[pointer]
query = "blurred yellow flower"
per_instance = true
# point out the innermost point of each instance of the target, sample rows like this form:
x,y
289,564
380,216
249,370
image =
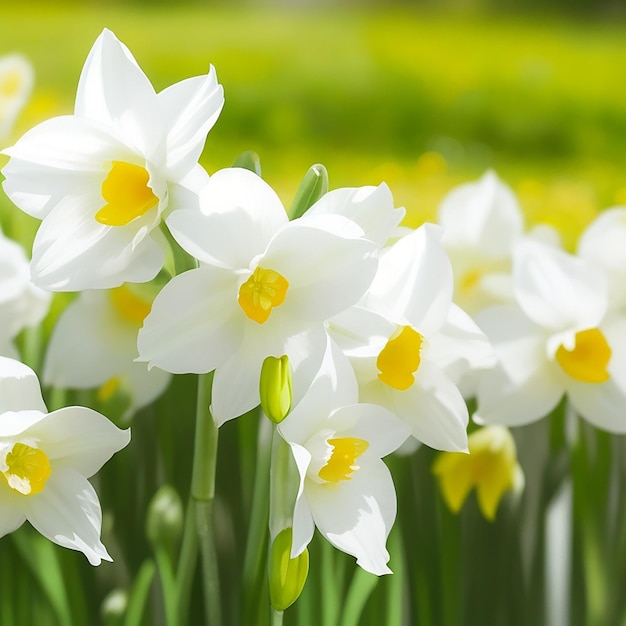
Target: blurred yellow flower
x,y
491,467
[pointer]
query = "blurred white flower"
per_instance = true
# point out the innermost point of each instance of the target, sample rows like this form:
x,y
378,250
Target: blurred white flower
x,y
94,344
264,288
346,490
481,222
102,179
557,338
21,303
45,461
16,85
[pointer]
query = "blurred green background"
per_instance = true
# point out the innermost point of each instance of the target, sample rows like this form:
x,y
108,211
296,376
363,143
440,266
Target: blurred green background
x,y
420,98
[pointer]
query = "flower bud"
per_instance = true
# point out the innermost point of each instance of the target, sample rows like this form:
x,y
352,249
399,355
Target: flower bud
x,y
313,186
275,388
164,523
287,576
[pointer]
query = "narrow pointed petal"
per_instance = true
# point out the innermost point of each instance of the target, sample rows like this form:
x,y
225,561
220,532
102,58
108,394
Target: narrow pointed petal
x,y
113,89
414,284
68,513
303,525
189,108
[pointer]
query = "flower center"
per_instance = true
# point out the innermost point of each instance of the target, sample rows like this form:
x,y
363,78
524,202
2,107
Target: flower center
x,y
127,194
470,280
400,358
263,291
588,360
341,464
130,306
28,469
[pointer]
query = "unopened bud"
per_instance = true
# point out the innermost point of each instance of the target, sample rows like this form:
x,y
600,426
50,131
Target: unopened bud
x,y
287,575
275,388
313,186
164,523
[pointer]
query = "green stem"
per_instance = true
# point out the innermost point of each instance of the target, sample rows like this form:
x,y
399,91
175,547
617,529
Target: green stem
x,y
203,494
277,618
187,564
254,569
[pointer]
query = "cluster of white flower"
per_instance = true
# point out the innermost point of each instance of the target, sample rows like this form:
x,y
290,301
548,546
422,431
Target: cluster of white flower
x,y
369,316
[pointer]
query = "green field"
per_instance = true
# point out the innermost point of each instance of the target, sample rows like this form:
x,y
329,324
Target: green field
x,y
421,101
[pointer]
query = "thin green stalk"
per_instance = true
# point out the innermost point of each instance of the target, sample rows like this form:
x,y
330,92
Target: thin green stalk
x,y
277,618
203,494
187,563
254,569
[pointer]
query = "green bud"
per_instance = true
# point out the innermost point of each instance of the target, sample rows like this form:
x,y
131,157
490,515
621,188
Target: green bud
x,y
249,160
313,186
287,575
113,607
275,388
164,523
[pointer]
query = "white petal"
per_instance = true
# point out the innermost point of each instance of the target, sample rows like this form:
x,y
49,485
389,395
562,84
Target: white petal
x,y
434,409
241,215
19,388
602,404
460,345
501,401
413,284
12,514
73,252
68,513
326,272
371,208
190,328
79,438
519,344
112,89
70,143
303,526
383,431
190,108
484,215
89,345
557,290
357,515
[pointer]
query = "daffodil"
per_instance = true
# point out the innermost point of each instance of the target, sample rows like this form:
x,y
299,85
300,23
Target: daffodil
x,y
409,345
264,287
16,84
345,490
491,467
556,339
481,221
103,179
45,461
21,303
94,344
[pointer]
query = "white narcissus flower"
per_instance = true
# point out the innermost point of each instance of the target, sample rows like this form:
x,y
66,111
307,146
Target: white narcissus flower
x,y
481,222
94,344
556,339
409,345
603,244
16,84
103,179
346,490
21,303
264,287
45,461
